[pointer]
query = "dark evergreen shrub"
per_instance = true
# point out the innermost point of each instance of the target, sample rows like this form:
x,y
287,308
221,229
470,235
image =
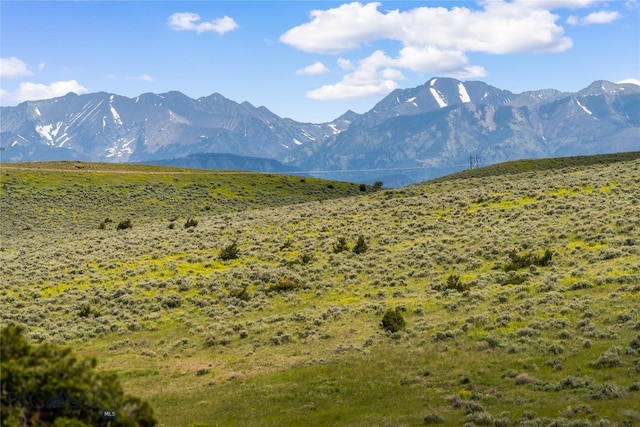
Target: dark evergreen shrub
x,y
191,222
393,321
527,259
229,252
340,245
454,283
306,258
361,246
123,225
87,310
75,393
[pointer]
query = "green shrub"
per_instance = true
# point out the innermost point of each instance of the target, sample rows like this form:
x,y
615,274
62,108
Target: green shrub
x,y
51,373
191,222
340,245
527,259
240,293
608,359
229,252
104,222
123,225
393,321
87,310
280,338
454,283
283,285
433,419
306,258
172,301
606,391
203,371
210,340
635,342
361,246
513,279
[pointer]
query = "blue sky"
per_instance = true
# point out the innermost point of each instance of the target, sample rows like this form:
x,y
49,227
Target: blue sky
x,y
310,60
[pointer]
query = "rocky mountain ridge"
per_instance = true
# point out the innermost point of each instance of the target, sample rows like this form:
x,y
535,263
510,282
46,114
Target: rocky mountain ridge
x,y
410,135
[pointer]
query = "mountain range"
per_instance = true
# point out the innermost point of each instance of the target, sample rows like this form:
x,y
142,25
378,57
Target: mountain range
x,y
442,126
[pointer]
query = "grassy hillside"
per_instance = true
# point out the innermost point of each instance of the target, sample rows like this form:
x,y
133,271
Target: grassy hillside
x,y
58,197
521,166
520,293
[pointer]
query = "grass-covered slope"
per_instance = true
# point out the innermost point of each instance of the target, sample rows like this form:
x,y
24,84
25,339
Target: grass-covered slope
x,y
554,163
60,197
520,292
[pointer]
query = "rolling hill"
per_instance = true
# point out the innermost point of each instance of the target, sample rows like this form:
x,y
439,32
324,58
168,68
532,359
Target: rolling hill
x,y
519,286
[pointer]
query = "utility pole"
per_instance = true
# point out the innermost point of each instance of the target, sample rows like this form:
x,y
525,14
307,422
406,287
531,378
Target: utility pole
x,y
474,162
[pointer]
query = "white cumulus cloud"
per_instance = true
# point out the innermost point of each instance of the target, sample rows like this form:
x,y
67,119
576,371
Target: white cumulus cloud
x,y
432,39
12,68
373,76
144,78
313,69
500,27
601,17
339,30
630,81
186,21
28,91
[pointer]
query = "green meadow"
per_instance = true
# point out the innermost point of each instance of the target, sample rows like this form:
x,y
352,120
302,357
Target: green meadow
x,y
228,298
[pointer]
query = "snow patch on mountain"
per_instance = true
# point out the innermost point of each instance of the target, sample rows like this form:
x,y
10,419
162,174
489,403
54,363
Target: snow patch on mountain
x,y
586,110
120,148
84,113
49,132
177,118
116,116
464,95
438,96
67,138
412,101
334,128
307,135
